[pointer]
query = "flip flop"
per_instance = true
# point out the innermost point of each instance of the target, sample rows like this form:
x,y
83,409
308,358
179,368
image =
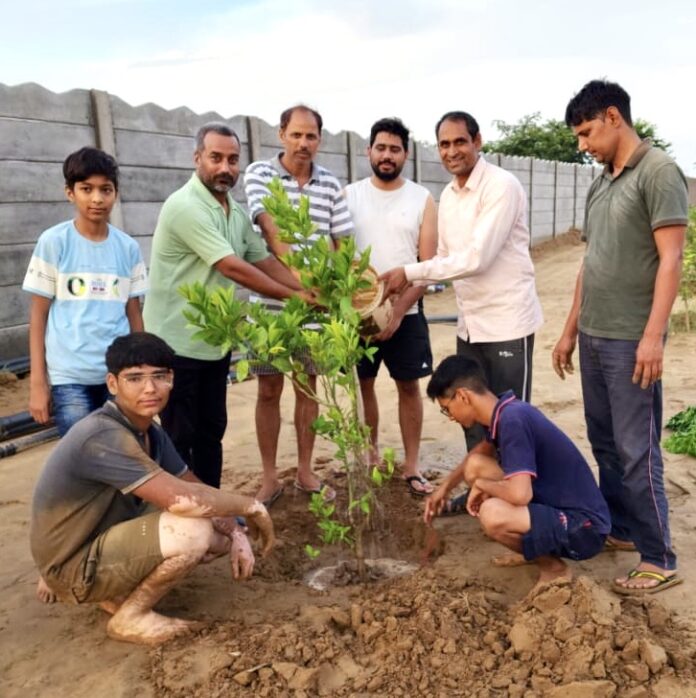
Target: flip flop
x,y
456,505
663,582
268,503
329,493
616,545
414,491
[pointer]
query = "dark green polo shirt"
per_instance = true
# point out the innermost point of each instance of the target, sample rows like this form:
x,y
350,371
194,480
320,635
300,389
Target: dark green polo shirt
x,y
621,260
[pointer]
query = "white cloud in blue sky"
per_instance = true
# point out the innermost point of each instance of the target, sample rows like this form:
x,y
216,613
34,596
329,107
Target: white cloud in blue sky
x,y
358,61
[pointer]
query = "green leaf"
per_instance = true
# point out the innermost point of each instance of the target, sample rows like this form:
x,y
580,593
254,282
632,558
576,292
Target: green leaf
x,y
311,552
242,370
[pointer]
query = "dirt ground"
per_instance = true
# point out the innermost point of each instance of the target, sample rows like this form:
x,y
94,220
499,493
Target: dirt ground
x,y
456,627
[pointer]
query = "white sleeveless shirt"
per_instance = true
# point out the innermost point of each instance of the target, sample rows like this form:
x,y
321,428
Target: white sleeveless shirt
x,y
387,221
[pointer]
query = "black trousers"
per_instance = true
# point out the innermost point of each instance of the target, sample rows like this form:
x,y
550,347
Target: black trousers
x,y
196,415
506,366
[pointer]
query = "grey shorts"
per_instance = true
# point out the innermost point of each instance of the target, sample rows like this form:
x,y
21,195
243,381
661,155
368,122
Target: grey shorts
x,y
113,564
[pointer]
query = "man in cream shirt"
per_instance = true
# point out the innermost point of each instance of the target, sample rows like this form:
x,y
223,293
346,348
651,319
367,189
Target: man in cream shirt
x,y
483,247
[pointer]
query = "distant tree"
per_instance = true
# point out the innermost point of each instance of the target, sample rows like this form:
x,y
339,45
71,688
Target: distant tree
x,y
647,130
552,139
548,140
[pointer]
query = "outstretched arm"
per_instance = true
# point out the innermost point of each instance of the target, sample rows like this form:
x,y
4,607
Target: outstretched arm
x,y
252,277
187,498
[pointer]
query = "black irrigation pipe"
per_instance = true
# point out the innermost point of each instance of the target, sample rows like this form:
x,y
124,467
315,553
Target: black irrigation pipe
x,y
18,424
21,444
19,366
441,319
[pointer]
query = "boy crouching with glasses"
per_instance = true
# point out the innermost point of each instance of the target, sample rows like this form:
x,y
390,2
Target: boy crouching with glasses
x,y
118,519
530,487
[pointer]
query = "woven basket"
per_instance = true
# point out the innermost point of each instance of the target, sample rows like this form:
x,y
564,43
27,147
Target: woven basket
x,y
375,314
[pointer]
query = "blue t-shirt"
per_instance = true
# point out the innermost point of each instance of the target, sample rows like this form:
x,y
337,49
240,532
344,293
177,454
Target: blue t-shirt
x,y
529,443
89,283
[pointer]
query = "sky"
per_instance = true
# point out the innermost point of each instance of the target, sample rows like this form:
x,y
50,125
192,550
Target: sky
x,y
360,60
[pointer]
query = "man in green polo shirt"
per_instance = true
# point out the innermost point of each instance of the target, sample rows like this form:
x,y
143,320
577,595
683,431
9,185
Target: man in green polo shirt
x,y
203,235
635,224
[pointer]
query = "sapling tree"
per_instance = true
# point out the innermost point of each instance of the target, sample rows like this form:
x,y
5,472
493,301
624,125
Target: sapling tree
x,y
329,331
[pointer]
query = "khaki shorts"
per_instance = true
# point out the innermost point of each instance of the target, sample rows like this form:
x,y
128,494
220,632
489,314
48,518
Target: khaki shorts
x,y
114,563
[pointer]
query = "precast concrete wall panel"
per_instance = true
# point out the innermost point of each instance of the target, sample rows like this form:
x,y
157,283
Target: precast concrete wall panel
x,y
154,148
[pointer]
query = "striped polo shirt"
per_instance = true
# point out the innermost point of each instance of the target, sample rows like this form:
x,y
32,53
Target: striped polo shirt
x,y
327,207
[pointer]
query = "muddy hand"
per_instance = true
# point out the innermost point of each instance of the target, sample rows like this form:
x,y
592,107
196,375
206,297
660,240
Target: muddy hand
x,y
434,505
260,526
241,556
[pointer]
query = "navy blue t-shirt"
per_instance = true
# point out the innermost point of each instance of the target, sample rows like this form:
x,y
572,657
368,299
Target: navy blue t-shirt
x,y
528,442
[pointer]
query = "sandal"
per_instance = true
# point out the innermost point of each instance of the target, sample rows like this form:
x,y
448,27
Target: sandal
x,y
329,493
414,491
268,503
663,582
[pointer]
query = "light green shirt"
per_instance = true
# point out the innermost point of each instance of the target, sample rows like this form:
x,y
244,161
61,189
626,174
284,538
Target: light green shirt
x,y
193,233
621,215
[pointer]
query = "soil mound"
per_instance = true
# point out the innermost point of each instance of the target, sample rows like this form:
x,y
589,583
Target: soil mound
x,y
429,635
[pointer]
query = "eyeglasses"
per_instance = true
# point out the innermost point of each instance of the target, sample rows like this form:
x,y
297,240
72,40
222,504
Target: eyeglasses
x,y
161,379
444,409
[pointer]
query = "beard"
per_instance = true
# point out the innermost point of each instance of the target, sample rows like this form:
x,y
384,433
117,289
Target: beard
x,y
220,184
388,176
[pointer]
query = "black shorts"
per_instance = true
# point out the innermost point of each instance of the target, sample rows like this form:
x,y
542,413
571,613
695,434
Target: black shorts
x,y
406,353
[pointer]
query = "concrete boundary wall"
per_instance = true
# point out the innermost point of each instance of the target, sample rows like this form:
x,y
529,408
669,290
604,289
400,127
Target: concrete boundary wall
x,y
154,149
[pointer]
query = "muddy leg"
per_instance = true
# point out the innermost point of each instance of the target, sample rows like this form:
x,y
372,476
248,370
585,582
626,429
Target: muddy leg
x,y
184,544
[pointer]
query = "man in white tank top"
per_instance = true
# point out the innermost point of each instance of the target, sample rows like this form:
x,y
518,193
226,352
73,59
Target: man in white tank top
x,y
397,219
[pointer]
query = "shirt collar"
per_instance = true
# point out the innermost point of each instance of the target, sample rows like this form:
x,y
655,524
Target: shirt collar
x,y
636,156
504,399
111,410
277,164
475,176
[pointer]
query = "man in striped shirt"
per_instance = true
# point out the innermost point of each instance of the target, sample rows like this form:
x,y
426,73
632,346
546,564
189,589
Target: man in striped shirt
x,y
300,135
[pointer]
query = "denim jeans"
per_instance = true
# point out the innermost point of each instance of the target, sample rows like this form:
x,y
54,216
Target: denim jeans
x,y
72,402
624,422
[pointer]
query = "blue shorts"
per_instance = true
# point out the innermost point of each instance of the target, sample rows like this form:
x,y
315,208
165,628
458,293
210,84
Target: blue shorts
x,y
571,534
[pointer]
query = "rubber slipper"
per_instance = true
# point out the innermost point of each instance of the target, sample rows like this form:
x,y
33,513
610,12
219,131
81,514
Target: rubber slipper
x,y
329,493
663,582
273,498
420,480
615,545
456,505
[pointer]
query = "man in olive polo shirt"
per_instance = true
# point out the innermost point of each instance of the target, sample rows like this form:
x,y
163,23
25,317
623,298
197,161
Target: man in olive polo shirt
x,y
635,224
203,235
